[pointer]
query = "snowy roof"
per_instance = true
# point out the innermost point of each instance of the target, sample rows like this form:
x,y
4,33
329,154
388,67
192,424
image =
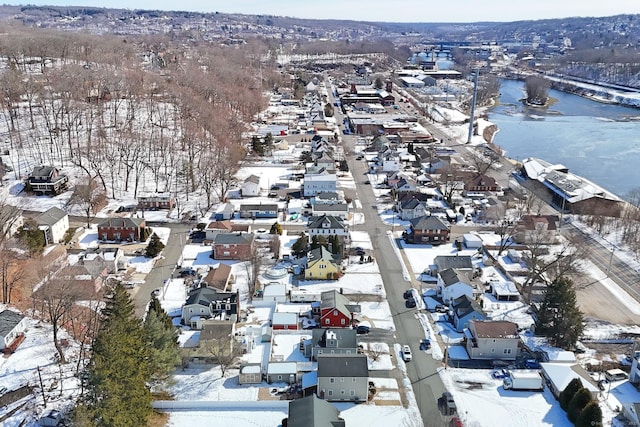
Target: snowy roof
x,y
561,374
282,367
504,288
8,320
284,319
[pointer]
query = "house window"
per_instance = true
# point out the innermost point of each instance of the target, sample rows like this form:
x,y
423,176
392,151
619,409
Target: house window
x,y
330,392
227,307
342,392
326,321
353,380
341,379
507,351
352,392
332,380
279,377
342,321
335,312
493,350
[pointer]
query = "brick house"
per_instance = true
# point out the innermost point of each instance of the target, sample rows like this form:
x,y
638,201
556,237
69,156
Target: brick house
x,y
481,184
233,246
428,229
156,201
121,229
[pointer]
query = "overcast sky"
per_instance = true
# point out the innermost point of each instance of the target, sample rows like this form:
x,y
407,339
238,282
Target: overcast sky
x,y
380,10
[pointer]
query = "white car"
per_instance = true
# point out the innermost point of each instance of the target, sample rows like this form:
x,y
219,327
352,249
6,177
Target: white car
x,y
406,353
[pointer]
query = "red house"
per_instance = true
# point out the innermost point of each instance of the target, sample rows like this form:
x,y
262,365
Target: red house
x,y
481,184
335,310
121,229
233,246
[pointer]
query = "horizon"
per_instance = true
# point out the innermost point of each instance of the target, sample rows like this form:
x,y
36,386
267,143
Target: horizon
x,y
402,11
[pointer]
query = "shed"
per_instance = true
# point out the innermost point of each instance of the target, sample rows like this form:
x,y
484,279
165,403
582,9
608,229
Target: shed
x,y
276,292
559,375
472,241
505,291
250,373
514,255
282,372
12,327
284,321
52,419
225,211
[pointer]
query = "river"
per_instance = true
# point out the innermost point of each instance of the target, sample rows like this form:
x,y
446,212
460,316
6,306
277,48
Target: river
x,y
600,142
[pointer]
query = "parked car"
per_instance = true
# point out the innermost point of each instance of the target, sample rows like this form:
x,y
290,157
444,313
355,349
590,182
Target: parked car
x,y
411,303
441,308
532,364
362,330
185,272
425,344
407,294
406,353
499,373
446,404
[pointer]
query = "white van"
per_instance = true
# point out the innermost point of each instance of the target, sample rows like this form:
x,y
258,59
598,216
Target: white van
x,y
615,375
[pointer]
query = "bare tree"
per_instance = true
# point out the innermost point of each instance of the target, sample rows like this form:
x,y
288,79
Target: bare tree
x,y
12,273
375,350
252,265
483,160
506,220
87,197
537,89
222,347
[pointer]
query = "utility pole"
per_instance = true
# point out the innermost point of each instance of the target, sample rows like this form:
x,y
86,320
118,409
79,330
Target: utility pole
x,y
473,105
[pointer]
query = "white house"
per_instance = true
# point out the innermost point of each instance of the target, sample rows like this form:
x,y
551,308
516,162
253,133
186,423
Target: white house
x,y
453,284
54,223
318,183
251,186
12,326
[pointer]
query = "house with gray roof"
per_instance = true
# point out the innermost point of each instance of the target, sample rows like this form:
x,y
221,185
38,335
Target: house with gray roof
x,y
343,377
340,210
326,225
453,284
459,262
233,246
46,180
331,340
464,310
428,229
54,223
413,208
311,411
260,210
12,327
251,186
205,303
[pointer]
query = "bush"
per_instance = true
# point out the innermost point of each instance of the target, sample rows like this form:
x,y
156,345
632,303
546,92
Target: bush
x,y
579,402
591,416
567,394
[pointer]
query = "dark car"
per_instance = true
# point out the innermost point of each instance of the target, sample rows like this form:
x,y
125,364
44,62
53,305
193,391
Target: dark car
x,y
187,272
408,294
362,330
425,344
411,303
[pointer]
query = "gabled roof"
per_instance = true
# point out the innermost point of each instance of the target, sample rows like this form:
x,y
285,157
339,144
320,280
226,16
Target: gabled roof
x,y
259,207
345,337
480,180
411,204
8,320
218,276
234,239
51,216
205,295
494,329
464,305
220,225
253,179
122,222
428,222
444,262
42,171
327,222
343,365
451,276
311,411
327,195
320,253
334,299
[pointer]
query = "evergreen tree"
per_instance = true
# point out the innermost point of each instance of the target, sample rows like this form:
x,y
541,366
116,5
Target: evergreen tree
x,y
299,247
578,402
336,247
317,241
118,395
558,317
569,391
344,166
276,228
256,145
162,339
154,247
590,416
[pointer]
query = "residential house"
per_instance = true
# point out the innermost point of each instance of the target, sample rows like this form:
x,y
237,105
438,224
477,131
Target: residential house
x,y
326,225
267,210
453,284
155,201
340,210
217,337
558,375
322,264
86,278
250,373
331,341
326,197
428,229
406,196
389,161
121,229
278,372
343,377
311,411
537,228
464,310
318,183
46,180
219,278
405,184
217,227
412,208
12,328
459,262
481,184
101,257
203,303
224,211
492,340
326,161
54,223
233,246
335,310
272,293
251,186
284,321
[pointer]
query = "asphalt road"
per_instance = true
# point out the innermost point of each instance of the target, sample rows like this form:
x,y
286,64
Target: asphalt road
x,y
425,380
